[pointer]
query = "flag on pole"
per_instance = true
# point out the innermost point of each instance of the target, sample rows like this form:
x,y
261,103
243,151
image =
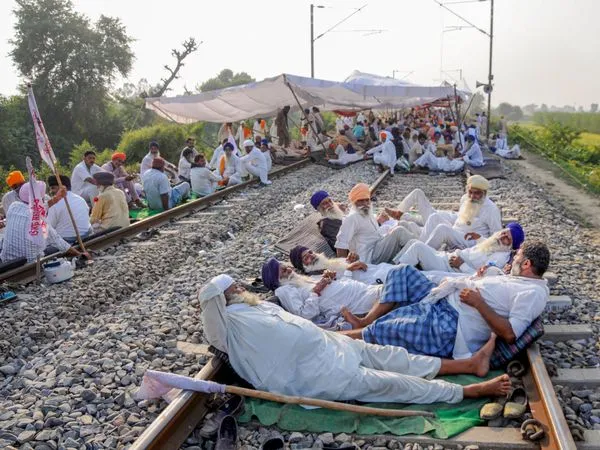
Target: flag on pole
x,y
38,229
41,137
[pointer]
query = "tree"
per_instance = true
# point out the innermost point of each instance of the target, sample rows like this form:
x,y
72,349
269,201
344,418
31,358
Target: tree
x,y
226,78
72,63
16,132
530,109
594,108
189,47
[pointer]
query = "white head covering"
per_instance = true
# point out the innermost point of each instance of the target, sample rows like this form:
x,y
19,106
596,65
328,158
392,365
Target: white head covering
x,y
223,282
25,191
248,143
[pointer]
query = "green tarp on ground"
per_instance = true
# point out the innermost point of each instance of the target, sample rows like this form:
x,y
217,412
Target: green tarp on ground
x,y
450,419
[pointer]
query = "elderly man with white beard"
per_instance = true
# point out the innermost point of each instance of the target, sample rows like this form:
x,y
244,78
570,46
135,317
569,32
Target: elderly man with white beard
x,y
278,352
317,299
306,261
495,250
332,214
478,217
360,234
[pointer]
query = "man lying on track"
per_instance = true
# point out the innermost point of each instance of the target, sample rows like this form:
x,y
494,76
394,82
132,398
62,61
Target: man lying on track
x,y
462,321
279,352
318,299
495,250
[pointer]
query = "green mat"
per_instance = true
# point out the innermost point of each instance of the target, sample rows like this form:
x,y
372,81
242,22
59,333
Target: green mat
x,y
139,214
450,421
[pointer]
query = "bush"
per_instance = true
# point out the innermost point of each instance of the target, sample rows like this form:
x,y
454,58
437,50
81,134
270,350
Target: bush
x,y
170,137
584,121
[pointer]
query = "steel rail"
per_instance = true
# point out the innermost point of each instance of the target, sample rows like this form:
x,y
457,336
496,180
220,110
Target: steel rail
x,y
172,427
544,404
27,272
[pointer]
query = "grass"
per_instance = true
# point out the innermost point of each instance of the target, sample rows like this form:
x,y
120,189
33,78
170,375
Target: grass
x,y
586,138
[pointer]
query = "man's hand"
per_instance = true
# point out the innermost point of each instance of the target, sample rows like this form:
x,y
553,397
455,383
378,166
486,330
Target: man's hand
x,y
358,265
481,271
382,218
507,268
455,261
322,284
130,177
471,297
86,255
329,274
472,236
61,193
352,257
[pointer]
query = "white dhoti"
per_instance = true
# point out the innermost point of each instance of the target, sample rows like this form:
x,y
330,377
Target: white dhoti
x,y
418,252
441,163
233,179
435,219
446,234
260,172
346,158
513,153
389,245
418,201
89,192
391,374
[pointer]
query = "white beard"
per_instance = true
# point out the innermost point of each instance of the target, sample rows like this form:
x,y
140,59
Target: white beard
x,y
364,211
245,297
469,211
297,280
323,263
493,244
333,213
515,270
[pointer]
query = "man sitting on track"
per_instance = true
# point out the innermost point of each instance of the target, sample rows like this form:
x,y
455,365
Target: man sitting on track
x,y
305,261
276,351
495,250
159,193
461,322
360,234
384,155
478,217
255,163
230,167
332,214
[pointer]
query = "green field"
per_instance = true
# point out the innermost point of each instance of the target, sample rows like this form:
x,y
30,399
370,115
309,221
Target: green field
x,y
586,138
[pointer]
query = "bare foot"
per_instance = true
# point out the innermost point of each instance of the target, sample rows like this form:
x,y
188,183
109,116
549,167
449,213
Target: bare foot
x,y
481,359
496,387
351,318
393,213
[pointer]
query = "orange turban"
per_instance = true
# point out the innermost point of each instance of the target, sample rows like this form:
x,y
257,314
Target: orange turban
x,y
119,155
14,178
359,192
263,123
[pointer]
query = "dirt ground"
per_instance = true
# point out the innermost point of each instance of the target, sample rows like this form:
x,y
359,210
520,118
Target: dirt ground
x,y
584,207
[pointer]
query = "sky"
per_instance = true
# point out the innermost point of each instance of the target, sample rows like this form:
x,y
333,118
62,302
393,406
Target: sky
x,y
545,51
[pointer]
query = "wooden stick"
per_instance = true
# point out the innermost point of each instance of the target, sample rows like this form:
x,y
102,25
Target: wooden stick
x,y
60,185
294,400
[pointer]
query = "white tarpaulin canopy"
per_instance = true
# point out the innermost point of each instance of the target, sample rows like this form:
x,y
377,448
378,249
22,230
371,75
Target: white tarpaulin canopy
x,y
264,98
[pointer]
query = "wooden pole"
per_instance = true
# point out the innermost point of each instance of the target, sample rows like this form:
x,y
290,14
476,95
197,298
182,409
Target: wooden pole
x,y
294,400
60,185
306,117
38,271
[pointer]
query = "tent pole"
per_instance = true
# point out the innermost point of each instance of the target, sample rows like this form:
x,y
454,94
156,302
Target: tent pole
x,y
310,124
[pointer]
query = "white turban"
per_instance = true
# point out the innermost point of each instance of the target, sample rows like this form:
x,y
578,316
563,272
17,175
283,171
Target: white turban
x,y
478,182
223,282
248,143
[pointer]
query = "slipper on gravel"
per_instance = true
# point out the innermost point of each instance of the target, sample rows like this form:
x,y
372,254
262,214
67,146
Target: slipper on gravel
x,y
228,434
6,296
516,405
274,442
492,410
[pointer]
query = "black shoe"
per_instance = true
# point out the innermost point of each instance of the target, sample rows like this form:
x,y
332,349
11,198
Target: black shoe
x,y
232,407
228,434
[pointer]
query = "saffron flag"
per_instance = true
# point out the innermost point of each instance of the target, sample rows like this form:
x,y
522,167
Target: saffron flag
x,y
41,137
37,229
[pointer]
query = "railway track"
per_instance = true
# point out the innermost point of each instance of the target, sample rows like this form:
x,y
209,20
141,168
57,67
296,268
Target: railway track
x,y
182,416
28,272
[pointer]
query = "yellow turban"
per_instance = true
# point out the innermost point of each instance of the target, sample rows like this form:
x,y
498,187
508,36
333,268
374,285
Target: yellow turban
x,y
478,182
14,178
359,192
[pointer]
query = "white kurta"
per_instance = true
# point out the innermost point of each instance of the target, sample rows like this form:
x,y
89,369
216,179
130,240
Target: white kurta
x,y
359,235
356,296
474,157
184,167
384,154
343,157
214,161
233,170
373,274
439,163
81,187
513,153
282,353
203,181
256,164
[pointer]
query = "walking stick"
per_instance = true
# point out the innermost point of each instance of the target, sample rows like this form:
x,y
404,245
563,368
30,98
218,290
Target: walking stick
x,y
157,383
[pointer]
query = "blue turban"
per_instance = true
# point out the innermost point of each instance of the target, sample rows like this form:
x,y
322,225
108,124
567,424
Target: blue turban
x,y
264,142
296,257
228,145
517,234
317,198
270,274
